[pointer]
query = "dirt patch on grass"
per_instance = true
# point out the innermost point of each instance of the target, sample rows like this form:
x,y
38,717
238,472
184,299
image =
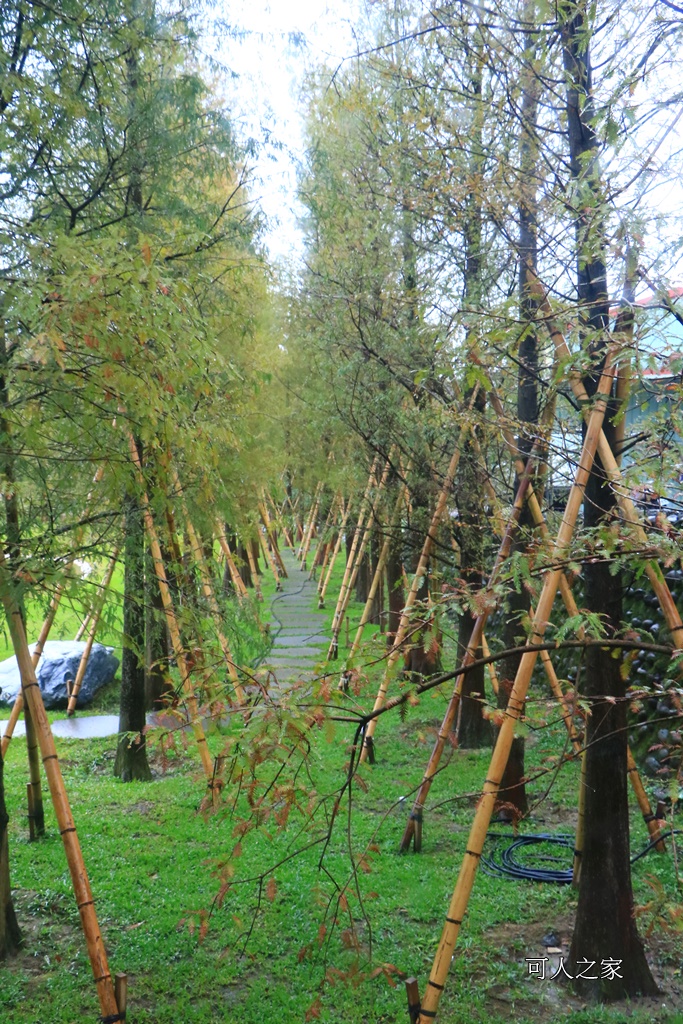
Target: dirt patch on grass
x,y
542,1000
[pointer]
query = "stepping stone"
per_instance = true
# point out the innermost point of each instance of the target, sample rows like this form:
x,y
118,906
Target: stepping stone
x,y
288,639
297,652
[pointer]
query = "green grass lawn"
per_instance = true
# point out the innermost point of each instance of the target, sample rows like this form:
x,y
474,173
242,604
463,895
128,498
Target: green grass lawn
x,y
296,941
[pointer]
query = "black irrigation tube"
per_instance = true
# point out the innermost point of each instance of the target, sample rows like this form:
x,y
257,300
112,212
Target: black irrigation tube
x,y
511,868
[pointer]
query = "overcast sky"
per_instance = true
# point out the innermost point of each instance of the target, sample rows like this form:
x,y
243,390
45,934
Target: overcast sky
x,y
263,61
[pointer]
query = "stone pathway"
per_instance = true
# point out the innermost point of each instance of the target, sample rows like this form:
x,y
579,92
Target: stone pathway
x,y
300,642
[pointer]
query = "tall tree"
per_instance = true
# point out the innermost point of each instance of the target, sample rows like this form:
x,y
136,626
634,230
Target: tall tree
x,y
605,924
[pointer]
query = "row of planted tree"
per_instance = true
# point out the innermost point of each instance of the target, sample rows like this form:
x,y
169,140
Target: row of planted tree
x,y
486,309
451,330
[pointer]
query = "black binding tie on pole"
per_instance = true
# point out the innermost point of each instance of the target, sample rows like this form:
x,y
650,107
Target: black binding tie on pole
x,y
113,1018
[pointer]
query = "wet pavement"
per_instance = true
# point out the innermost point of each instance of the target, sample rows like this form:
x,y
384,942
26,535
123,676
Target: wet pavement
x,y
300,645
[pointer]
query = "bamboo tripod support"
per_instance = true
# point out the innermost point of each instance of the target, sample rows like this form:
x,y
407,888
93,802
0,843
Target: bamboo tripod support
x,y
475,843
613,473
39,646
357,561
422,565
486,651
325,582
310,526
572,610
354,545
379,570
208,590
311,529
322,562
272,539
172,622
253,570
237,581
34,789
413,829
279,520
93,623
79,877
263,540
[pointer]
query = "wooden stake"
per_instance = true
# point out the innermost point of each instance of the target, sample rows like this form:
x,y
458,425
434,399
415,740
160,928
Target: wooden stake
x,y
515,706
121,993
67,829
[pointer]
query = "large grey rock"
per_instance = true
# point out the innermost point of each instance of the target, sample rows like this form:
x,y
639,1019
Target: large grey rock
x,y
60,662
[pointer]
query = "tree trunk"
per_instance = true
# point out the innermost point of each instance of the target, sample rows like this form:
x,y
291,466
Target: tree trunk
x,y
512,787
474,730
395,592
605,923
131,753
10,935
158,690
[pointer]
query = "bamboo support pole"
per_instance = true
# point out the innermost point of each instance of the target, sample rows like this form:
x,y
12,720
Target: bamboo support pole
x,y
348,585
573,611
308,530
356,540
321,556
39,646
269,558
381,563
422,565
643,802
329,545
172,622
477,837
210,595
493,676
252,568
413,829
36,814
67,828
237,581
613,474
92,631
84,626
311,529
323,585
268,524
36,811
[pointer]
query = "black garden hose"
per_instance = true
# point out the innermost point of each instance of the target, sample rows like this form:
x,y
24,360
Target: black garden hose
x,y
503,861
